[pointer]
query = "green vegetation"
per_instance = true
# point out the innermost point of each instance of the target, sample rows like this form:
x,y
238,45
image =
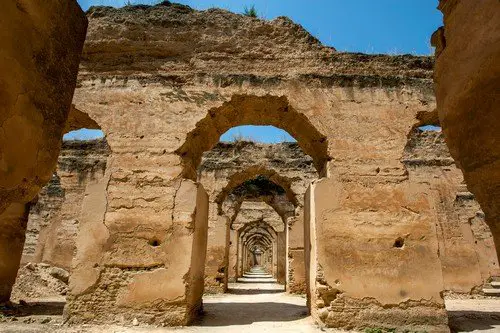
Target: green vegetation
x,y
251,12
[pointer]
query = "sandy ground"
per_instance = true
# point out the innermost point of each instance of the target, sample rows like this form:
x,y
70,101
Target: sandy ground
x,y
242,313
474,315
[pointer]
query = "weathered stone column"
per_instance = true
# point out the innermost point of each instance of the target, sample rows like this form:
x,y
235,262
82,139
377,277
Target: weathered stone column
x,y
40,43
296,269
281,257
310,247
233,256
275,258
368,272
239,260
467,77
13,222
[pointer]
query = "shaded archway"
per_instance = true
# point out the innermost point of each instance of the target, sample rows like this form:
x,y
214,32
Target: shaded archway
x,y
270,238
259,188
267,176
228,199
60,210
252,110
256,214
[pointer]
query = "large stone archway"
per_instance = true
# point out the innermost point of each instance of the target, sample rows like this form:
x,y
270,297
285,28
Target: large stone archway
x,y
252,110
155,92
164,100
277,174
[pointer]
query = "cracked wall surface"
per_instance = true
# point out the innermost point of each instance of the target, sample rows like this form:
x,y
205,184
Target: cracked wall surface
x,y
373,248
38,77
466,247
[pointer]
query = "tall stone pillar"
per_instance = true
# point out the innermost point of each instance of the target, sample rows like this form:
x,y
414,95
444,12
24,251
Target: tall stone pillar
x,y
40,43
13,223
233,256
467,76
281,257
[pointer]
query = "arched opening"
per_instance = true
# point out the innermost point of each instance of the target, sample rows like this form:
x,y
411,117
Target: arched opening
x,y
256,195
258,257
252,110
56,216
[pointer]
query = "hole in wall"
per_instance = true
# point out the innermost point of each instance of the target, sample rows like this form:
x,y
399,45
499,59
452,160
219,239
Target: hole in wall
x,y
154,242
399,243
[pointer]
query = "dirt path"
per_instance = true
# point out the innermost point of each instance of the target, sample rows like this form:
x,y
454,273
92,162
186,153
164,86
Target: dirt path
x,y
244,313
474,315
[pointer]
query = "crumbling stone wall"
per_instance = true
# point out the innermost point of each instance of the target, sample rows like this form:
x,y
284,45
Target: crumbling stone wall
x,y
466,246
165,99
37,80
54,220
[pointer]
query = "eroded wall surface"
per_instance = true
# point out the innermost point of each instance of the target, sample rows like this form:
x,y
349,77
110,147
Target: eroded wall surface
x,y
466,247
37,80
54,220
164,99
467,76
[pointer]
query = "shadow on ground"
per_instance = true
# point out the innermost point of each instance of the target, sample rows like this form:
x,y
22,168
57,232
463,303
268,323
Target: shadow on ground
x,y
469,321
253,291
33,309
224,314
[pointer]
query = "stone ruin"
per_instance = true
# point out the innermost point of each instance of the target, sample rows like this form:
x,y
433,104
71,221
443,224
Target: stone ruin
x,y
383,224
466,247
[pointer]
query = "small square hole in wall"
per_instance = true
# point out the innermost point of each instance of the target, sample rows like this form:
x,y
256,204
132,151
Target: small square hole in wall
x,y
399,243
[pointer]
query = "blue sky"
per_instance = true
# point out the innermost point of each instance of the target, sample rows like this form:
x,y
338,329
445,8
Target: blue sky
x,y
368,26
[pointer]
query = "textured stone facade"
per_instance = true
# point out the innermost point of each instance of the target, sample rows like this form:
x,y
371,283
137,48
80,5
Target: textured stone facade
x,y
54,220
164,84
467,74
165,99
466,246
41,43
